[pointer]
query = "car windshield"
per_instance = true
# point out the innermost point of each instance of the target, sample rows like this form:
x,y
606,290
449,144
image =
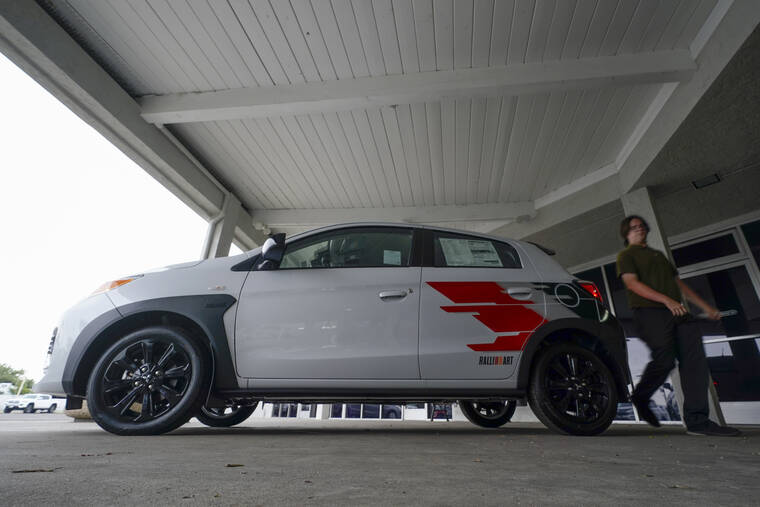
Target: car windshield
x,y
30,396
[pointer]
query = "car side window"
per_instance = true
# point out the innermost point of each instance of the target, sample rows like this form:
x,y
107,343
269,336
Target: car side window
x,y
351,248
454,250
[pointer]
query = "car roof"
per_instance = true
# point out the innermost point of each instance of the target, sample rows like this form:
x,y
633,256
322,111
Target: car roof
x,y
402,225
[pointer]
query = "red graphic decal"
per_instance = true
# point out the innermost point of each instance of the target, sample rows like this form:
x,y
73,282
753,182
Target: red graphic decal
x,y
503,343
476,292
501,318
504,314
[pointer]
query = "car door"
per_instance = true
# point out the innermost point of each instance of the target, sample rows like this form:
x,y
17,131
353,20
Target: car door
x,y
344,304
479,304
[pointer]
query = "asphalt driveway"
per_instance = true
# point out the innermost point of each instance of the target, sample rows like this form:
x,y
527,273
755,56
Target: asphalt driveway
x,y
49,459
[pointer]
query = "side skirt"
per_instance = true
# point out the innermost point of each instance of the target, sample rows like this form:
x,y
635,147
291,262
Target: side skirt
x,y
365,395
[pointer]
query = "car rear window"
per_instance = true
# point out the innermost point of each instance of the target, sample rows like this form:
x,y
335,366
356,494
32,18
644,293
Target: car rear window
x,y
453,250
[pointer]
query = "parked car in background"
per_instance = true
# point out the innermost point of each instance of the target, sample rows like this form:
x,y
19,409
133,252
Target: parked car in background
x,y
31,403
391,411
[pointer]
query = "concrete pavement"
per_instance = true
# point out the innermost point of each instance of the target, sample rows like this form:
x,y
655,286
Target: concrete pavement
x,y
358,462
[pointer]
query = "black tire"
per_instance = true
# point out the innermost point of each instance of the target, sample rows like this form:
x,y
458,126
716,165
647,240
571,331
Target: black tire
x,y
29,409
52,408
488,414
158,368
7,410
572,391
225,417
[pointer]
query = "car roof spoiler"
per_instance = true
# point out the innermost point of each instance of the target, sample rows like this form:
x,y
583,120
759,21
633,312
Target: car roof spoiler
x,y
547,251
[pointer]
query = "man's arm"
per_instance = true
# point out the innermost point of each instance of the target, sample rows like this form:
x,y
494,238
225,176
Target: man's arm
x,y
633,283
692,296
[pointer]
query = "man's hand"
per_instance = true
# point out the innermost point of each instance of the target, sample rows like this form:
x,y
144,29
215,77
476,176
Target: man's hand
x,y
676,308
712,313
632,283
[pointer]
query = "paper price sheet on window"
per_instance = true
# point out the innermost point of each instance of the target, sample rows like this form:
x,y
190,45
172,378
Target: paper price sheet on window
x,y
469,252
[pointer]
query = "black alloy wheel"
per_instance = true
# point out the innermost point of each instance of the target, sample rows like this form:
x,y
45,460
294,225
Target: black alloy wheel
x,y
488,414
224,417
149,382
572,390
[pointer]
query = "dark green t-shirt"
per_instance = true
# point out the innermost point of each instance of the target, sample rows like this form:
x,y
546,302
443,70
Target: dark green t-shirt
x,y
653,269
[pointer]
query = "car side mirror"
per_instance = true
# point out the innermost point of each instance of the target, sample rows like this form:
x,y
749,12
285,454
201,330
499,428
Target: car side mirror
x,y
273,249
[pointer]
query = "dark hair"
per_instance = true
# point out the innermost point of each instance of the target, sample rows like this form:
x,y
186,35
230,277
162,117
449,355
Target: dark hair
x,y
625,227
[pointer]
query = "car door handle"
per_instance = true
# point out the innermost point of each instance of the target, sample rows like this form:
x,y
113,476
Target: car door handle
x,y
393,294
520,292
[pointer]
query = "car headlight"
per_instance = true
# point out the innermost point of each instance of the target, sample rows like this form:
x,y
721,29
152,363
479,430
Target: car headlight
x,y
115,283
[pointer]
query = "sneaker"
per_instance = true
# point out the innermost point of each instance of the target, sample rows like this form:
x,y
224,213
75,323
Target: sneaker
x,y
645,413
710,429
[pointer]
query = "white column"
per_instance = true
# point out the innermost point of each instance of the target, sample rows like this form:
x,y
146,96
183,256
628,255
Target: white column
x,y
221,229
323,411
639,202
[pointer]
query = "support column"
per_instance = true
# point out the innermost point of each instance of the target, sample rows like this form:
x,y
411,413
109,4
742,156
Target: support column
x,y
221,229
323,410
639,202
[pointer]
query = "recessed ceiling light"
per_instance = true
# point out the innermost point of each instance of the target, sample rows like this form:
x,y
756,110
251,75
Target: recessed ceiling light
x,y
706,181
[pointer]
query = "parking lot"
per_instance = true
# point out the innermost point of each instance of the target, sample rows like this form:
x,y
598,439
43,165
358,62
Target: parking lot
x,y
48,458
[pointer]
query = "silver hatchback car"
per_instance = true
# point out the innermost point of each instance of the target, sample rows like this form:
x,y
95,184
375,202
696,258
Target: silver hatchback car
x,y
362,312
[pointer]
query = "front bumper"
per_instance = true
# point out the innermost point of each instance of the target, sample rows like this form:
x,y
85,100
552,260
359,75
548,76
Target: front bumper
x,y
72,324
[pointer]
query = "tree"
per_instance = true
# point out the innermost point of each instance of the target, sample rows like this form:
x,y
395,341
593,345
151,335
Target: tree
x,y
16,377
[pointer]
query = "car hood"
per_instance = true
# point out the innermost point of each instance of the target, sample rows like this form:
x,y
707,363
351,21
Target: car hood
x,y
182,265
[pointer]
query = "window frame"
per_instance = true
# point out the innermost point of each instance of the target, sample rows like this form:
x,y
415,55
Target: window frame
x,y
414,255
429,255
715,261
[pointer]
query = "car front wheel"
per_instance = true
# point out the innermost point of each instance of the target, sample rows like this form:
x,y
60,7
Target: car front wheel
x,y
572,391
29,409
225,417
149,382
488,414
52,408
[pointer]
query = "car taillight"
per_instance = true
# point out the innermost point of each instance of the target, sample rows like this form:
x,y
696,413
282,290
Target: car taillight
x,y
591,288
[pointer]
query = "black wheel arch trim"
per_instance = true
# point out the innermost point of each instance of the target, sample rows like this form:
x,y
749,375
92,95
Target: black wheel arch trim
x,y
609,334
205,311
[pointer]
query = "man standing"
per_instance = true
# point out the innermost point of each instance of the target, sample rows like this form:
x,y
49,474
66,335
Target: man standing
x,y
654,295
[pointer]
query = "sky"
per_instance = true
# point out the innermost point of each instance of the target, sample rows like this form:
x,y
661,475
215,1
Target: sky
x,y
76,212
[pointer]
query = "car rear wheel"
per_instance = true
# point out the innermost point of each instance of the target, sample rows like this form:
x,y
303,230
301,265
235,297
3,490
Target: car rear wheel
x,y
225,417
149,382
488,414
572,391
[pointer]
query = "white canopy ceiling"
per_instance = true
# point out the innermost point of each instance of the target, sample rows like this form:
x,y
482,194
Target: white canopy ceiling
x,y
469,112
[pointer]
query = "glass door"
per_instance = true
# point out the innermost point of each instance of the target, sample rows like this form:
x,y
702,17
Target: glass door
x,y
733,343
